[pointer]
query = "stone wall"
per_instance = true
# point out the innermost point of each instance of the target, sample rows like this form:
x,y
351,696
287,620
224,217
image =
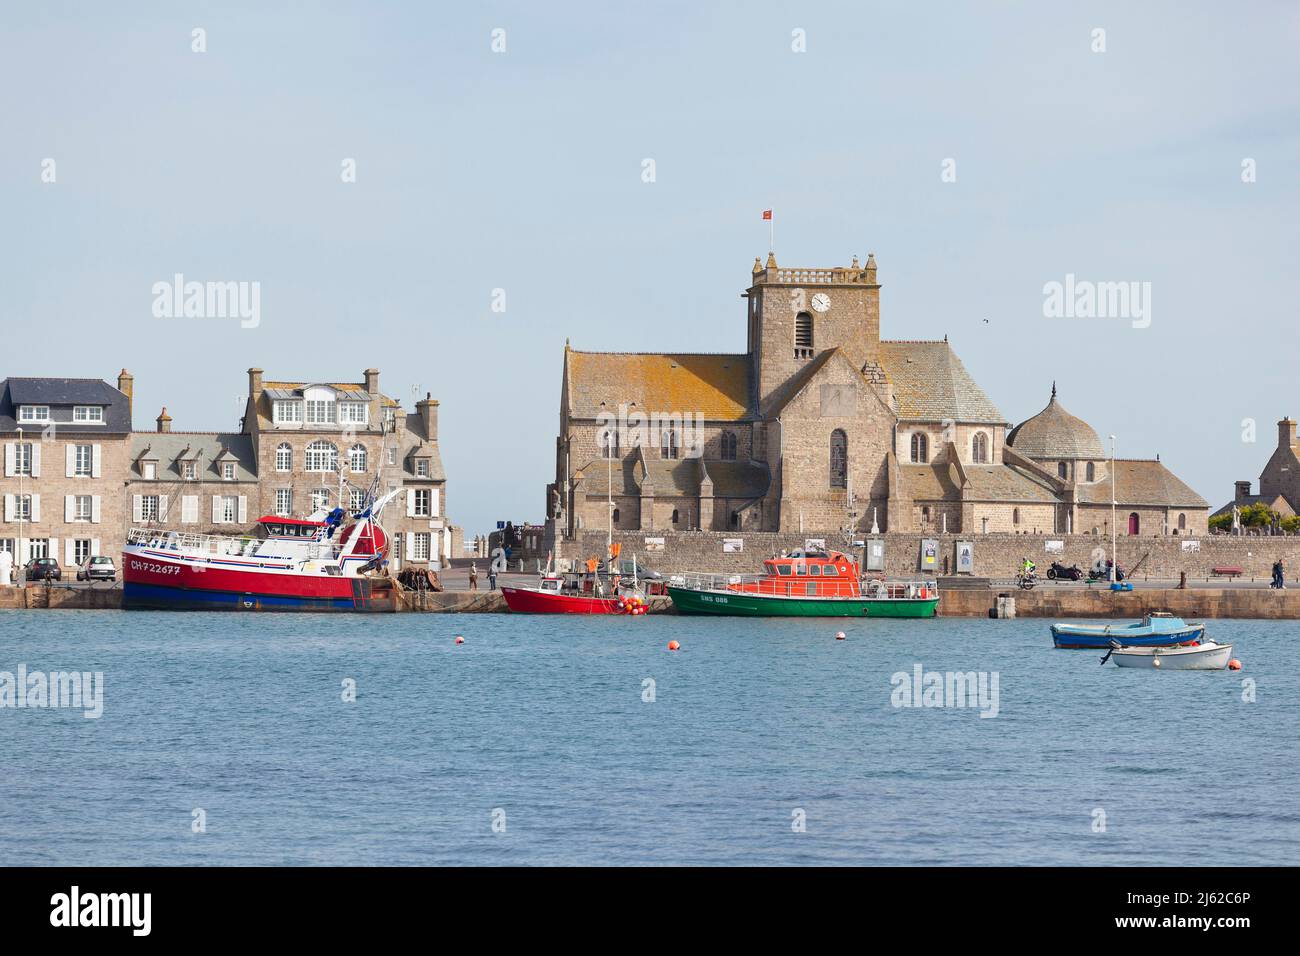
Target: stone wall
x,y
996,555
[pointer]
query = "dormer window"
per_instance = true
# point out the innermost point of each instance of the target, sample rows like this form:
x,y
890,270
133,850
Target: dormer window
x,y
149,469
88,414
287,413
422,468
228,471
323,412
33,413
189,471
353,413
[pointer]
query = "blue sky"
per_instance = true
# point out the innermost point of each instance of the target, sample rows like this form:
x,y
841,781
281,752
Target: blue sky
x,y
522,171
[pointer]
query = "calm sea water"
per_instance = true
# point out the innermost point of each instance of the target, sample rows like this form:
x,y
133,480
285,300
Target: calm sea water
x,y
540,723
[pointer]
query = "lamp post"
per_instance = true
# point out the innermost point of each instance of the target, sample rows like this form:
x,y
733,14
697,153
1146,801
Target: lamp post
x,y
1114,529
19,555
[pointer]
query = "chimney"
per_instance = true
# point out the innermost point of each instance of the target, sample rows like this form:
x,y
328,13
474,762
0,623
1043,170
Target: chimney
x,y
254,383
1286,433
1243,491
372,381
126,385
164,421
427,407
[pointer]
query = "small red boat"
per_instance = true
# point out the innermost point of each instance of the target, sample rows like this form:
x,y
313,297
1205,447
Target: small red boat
x,y
591,592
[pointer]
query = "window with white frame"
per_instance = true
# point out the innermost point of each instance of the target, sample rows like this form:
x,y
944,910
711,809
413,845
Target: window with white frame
x,y
320,499
390,415
83,460
33,413
9,545
227,471
23,458
189,470
352,413
422,468
392,456
286,412
356,499
149,469
423,504
80,550
322,456
23,507
229,509
320,412
420,546
82,508
38,547
357,458
284,457
88,414
148,507
283,502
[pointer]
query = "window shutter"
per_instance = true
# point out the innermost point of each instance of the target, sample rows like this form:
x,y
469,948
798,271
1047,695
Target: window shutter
x,y
94,509
70,457
69,508
410,502
95,461
36,508
216,509
9,507
94,547
52,549
137,508
10,463
162,508
409,550
433,502
69,552
189,509
36,459
243,509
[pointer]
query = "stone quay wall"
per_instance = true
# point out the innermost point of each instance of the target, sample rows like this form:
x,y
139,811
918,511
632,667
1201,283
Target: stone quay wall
x,y
996,556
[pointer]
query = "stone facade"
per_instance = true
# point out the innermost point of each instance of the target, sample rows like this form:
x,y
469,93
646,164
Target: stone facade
x,y
821,425
1279,482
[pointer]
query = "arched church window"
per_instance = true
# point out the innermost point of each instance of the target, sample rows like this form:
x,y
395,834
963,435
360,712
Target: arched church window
x,y
1182,522
608,440
1015,516
925,514
920,448
728,446
1062,469
979,448
839,459
668,444
735,520
675,519
615,516
1092,472
803,335
1134,525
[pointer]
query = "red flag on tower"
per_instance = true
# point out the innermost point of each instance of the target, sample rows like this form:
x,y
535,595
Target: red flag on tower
x,y
767,214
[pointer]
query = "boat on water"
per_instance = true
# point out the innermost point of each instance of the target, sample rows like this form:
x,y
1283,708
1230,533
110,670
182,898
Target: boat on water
x,y
1205,656
803,584
328,562
1157,629
600,589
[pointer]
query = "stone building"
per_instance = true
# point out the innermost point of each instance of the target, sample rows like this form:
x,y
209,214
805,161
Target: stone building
x,y
820,424
66,447
1279,482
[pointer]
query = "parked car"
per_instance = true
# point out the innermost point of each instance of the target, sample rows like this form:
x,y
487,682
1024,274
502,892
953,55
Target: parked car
x,y
100,567
43,569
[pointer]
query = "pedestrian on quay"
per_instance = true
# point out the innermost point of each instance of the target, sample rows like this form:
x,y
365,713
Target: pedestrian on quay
x,y
473,577
492,577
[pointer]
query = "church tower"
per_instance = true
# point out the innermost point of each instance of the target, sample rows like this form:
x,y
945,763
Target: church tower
x,y
795,315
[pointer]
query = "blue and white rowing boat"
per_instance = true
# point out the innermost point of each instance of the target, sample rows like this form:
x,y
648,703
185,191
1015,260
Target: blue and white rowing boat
x,y
1157,629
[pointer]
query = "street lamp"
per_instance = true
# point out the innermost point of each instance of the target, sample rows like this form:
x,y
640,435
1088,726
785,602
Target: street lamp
x,y
1114,530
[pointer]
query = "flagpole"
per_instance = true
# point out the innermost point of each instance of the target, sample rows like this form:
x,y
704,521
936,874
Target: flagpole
x,y
771,233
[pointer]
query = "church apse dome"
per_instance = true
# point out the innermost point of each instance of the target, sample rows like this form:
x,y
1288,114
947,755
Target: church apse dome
x,y
1056,436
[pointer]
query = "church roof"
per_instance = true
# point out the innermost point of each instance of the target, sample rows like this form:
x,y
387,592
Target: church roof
x,y
1008,483
1142,482
931,384
1055,433
715,386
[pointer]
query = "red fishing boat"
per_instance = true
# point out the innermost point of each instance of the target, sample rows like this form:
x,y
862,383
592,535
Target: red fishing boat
x,y
591,592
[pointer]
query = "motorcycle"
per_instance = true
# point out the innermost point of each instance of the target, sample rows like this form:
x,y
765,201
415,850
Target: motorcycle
x,y
1059,571
1103,573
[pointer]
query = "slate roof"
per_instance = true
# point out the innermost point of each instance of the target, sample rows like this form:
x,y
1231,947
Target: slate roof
x,y
167,448
61,394
738,479
1142,482
987,483
716,386
1054,433
931,384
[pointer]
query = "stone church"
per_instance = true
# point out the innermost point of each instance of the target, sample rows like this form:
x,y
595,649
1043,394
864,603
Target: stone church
x,y
821,424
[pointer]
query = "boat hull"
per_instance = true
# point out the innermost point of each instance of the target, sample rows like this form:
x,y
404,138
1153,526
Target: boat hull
x,y
531,601
742,604
1080,636
1213,657
152,583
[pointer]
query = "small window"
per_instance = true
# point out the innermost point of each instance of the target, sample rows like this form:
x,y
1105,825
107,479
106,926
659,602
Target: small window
x,y
839,459
616,516
1015,516
608,440
1092,472
1182,522
228,471
728,446
783,570
735,520
188,471
1062,469
284,457
90,414
669,444
33,413
422,468
815,570
358,458
803,335
979,448
675,518
920,448
150,470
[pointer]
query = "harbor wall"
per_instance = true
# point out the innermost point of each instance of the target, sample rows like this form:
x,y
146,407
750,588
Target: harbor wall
x,y
996,556
1100,602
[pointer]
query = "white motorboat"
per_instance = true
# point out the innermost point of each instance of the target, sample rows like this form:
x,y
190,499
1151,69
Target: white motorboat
x,y
1206,656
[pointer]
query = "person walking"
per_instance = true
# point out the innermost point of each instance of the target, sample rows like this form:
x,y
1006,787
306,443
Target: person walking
x,y
473,577
492,577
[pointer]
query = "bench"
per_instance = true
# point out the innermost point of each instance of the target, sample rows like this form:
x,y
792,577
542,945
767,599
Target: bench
x,y
1226,571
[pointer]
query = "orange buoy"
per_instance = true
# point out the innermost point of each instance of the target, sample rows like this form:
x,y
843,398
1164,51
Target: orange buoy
x,y
673,645
1234,665
839,635
459,639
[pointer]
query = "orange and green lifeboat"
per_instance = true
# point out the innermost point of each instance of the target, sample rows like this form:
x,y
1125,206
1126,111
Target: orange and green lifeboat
x,y
812,584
